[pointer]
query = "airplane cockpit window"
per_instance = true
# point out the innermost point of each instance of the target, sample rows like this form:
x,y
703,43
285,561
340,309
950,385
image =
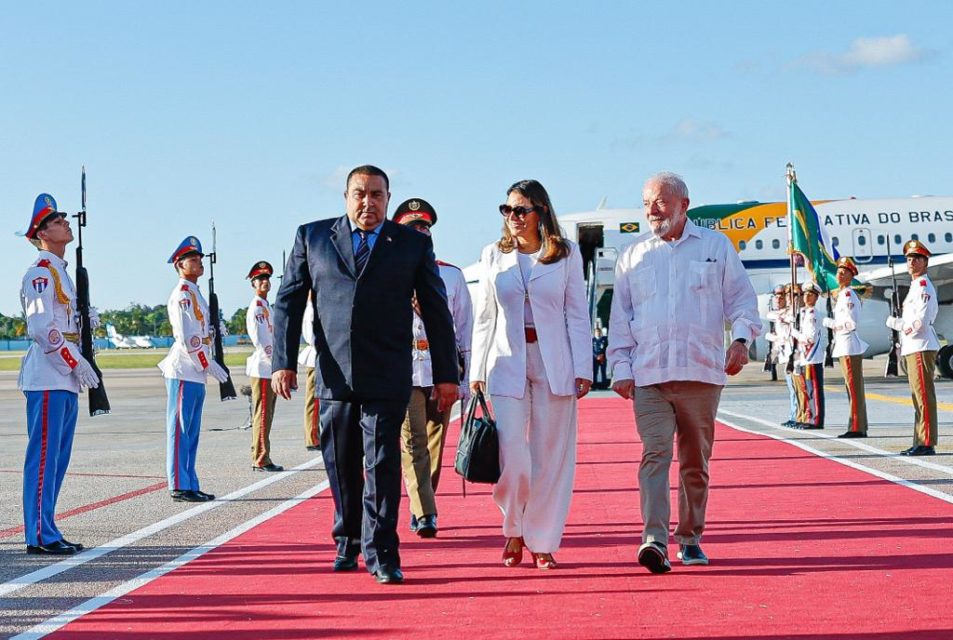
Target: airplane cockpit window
x,y
776,243
931,237
758,245
881,240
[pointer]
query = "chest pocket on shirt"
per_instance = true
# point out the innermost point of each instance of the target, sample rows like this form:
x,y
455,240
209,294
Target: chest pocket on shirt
x,y
702,275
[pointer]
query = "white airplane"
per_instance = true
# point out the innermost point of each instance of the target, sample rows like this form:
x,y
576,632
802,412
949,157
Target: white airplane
x,y
127,342
862,229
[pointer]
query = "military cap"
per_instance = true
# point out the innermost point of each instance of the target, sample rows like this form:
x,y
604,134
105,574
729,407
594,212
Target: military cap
x,y
780,289
811,287
415,210
187,247
848,263
917,248
260,270
44,207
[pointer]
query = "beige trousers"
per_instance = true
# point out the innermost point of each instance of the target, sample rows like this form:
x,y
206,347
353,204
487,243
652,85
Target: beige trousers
x,y
423,435
263,403
853,369
537,459
311,412
662,411
921,367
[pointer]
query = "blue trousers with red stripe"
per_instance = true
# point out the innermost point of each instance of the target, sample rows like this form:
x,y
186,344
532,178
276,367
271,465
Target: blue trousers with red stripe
x,y
183,425
51,423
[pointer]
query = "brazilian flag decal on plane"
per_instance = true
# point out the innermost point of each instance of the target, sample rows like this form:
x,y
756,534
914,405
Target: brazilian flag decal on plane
x,y
628,227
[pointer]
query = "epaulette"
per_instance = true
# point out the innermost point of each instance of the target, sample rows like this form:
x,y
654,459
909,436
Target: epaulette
x,y
43,263
923,282
847,293
184,287
259,303
447,264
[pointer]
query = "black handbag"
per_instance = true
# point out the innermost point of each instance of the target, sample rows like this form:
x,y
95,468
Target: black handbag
x,y
478,451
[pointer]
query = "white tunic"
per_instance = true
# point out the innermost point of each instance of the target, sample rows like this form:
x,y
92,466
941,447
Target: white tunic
x,y
308,355
259,328
192,351
916,324
49,303
810,343
845,322
780,338
458,299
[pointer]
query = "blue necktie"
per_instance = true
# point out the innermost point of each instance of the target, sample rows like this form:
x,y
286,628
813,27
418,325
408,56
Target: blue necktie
x,y
363,252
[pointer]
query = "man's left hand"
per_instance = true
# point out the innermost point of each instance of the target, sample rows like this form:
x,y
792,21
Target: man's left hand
x,y
445,393
736,358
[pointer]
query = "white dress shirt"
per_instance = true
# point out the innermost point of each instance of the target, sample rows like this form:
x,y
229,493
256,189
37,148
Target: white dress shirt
x,y
308,356
258,326
458,299
191,351
919,313
670,304
810,344
844,324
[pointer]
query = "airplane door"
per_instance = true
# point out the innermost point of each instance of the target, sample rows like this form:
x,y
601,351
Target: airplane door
x,y
863,245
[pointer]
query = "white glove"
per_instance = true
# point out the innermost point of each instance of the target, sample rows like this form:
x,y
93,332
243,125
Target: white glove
x,y
94,322
892,323
85,374
222,329
829,323
217,371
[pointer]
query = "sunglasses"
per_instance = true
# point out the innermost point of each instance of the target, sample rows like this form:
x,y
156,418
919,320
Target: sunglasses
x,y
520,212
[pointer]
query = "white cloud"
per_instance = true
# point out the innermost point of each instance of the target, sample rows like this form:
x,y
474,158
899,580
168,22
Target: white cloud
x,y
866,53
687,131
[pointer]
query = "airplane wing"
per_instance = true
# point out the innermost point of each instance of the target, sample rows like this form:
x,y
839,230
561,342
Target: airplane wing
x,y
940,271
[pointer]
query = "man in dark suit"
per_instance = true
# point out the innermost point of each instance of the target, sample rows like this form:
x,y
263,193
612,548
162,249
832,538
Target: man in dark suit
x,y
363,270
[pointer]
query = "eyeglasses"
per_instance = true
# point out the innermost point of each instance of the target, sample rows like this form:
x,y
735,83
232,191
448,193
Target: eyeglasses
x,y
520,212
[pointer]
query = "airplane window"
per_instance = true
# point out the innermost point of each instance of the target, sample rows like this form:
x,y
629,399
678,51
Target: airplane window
x,y
931,237
861,240
742,245
948,237
897,241
881,239
835,241
758,244
776,243
914,236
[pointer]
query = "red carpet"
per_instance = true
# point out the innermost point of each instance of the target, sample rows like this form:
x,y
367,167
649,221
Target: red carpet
x,y
801,547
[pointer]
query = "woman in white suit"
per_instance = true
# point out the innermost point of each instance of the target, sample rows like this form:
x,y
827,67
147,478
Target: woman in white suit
x,y
532,354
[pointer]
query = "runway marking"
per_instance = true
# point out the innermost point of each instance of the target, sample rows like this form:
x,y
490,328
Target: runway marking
x,y
93,475
6,533
917,462
79,559
61,620
945,406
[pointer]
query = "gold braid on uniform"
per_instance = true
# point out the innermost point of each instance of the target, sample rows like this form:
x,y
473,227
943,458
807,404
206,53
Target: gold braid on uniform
x,y
61,296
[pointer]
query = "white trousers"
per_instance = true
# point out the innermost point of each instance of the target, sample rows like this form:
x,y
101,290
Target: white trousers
x,y
537,459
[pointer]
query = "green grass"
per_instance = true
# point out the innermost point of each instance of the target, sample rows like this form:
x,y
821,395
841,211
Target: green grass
x,y
126,359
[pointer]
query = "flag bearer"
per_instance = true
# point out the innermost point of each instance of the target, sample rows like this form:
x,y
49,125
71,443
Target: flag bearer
x,y
849,348
781,343
811,358
258,367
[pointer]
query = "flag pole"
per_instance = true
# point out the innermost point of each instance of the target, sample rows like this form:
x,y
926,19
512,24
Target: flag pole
x,y
791,178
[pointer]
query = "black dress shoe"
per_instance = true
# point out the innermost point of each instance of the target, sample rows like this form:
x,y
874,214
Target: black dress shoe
x,y
345,563
388,575
427,526
268,467
58,548
75,545
186,495
203,495
919,450
413,523
808,427
313,447
852,434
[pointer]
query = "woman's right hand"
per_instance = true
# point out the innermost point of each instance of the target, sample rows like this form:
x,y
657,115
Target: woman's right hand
x,y
478,386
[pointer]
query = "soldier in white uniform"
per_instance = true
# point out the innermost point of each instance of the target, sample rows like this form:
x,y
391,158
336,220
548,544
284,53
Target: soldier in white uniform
x,y
51,375
307,358
782,345
919,346
810,358
258,367
185,370
424,431
849,348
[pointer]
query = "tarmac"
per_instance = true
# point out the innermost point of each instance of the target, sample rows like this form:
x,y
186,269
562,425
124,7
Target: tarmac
x,y
120,508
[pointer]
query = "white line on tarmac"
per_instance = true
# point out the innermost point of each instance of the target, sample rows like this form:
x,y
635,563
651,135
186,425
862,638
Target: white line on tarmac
x,y
59,621
834,458
124,541
915,461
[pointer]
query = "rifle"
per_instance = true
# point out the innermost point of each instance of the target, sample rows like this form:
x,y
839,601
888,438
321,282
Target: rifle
x,y
98,402
770,361
829,349
894,353
226,389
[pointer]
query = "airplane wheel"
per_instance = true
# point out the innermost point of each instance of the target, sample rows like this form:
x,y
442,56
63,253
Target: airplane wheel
x,y
944,361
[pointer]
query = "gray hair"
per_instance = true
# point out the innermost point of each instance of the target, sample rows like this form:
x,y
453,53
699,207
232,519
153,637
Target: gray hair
x,y
672,182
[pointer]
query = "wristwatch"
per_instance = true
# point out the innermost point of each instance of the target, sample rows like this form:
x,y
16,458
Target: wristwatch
x,y
743,341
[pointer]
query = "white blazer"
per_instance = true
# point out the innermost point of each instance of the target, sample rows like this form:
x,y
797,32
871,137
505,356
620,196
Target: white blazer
x,y
557,296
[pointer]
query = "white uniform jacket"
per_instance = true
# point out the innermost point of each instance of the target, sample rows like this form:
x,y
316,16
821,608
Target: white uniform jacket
x,y
308,355
458,299
919,313
810,343
557,297
671,303
844,323
191,352
49,303
781,339
258,326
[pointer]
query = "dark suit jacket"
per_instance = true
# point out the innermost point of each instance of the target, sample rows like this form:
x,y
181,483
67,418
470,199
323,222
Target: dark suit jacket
x,y
363,325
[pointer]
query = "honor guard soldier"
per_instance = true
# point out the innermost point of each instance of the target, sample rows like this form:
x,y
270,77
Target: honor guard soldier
x,y
782,345
600,344
185,369
308,357
918,346
811,359
424,431
849,348
258,367
51,376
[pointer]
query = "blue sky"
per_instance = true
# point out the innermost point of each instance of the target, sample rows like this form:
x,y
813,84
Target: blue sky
x,y
252,114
